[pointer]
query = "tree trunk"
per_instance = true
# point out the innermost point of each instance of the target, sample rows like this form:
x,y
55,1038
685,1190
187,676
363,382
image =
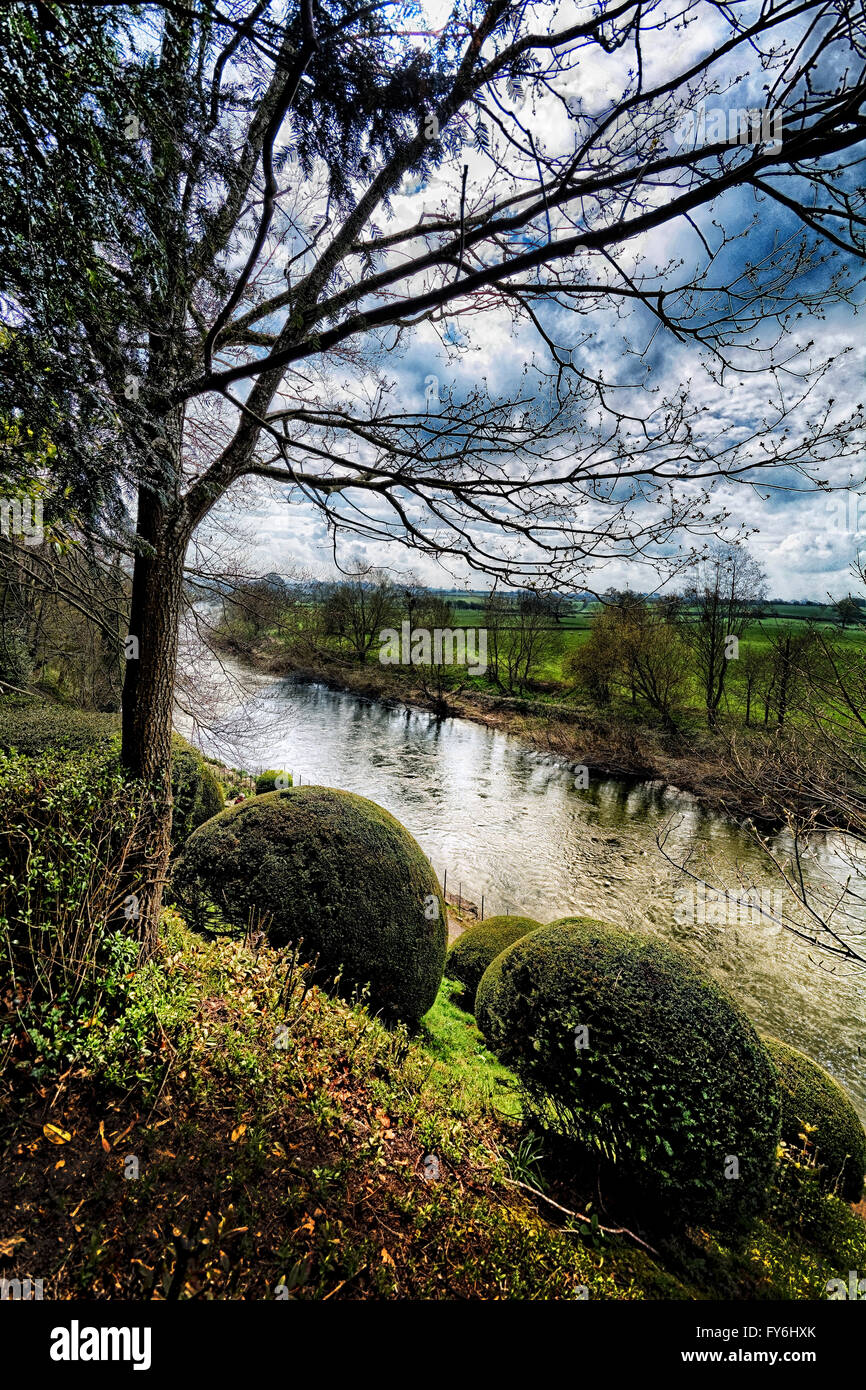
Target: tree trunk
x,y
148,695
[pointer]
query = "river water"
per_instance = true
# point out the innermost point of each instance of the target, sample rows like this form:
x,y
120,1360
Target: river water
x,y
518,830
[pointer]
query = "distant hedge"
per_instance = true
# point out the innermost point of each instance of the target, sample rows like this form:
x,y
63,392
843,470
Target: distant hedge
x,y
474,950
337,875
267,781
673,1087
810,1096
33,730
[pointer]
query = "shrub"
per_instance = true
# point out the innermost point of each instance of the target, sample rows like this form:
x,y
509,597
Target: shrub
x,y
197,793
34,729
672,1084
801,1206
68,928
16,664
266,781
472,952
816,1106
333,873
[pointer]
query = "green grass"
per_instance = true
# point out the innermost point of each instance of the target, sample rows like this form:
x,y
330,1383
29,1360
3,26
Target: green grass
x,y
470,1069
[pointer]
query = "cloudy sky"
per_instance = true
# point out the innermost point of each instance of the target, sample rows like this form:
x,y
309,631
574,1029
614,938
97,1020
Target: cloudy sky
x,y
806,540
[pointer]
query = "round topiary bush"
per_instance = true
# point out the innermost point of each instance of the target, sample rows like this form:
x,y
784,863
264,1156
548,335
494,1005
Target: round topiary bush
x,y
332,872
472,952
267,781
810,1096
195,790
623,1045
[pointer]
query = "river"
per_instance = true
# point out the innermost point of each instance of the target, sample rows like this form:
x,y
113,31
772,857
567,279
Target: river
x,y
518,830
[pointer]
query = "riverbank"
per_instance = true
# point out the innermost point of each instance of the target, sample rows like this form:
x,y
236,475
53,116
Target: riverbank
x,y
694,762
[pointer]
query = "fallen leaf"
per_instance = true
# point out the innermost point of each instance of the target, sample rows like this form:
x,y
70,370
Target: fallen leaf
x,y
56,1134
105,1144
238,1133
386,1258
8,1245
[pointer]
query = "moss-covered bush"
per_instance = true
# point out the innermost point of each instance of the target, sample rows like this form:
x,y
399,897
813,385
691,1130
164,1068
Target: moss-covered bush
x,y
34,729
472,952
196,791
334,872
815,1105
670,1082
267,781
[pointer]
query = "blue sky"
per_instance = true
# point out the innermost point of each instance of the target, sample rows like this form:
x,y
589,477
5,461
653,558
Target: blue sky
x,y
806,540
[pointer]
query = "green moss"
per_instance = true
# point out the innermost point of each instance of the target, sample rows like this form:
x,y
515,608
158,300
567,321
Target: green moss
x,y
816,1106
34,729
472,952
196,791
673,1086
334,873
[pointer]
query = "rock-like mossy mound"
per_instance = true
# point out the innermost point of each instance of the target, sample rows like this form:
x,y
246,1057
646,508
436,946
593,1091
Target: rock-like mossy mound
x,y
623,1045
836,1139
335,874
478,946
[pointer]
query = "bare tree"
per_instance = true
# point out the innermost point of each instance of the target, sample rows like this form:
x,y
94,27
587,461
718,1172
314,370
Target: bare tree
x,y
357,609
521,636
232,282
635,645
807,777
719,603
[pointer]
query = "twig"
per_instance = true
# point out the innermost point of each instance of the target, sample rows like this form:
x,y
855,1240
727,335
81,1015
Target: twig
x,y
579,1216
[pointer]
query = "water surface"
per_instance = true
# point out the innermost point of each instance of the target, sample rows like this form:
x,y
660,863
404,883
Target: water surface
x,y
512,828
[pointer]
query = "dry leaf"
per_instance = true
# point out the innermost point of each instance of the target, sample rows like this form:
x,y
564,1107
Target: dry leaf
x,y
105,1143
8,1245
56,1134
386,1258
238,1133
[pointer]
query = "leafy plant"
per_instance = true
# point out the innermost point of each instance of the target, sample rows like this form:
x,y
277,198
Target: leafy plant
x,y
68,918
